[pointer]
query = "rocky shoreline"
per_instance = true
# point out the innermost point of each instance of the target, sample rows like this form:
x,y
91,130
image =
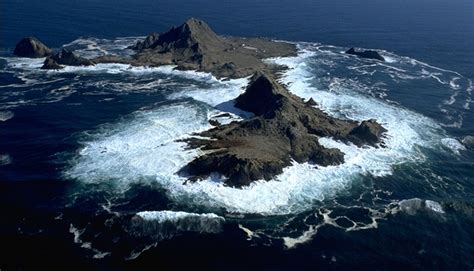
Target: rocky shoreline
x,y
284,127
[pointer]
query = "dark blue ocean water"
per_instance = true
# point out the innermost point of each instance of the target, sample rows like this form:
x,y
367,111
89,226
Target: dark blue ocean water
x,y
85,150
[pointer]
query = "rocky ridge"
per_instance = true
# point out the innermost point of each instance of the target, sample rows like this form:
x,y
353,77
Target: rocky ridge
x,y
285,129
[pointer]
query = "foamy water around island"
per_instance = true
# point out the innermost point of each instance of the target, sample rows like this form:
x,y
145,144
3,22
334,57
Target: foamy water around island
x,y
143,146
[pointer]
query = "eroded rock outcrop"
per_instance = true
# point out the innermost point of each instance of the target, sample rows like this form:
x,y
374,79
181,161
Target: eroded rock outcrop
x,y
366,54
284,128
194,45
32,47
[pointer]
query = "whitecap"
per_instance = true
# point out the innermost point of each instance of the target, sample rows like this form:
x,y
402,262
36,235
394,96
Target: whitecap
x,y
453,144
155,222
5,159
6,115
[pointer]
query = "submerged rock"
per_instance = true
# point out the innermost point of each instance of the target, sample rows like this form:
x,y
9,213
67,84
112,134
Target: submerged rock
x,y
32,47
284,129
366,54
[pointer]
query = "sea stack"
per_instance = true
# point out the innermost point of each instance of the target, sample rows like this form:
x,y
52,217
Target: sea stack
x,y
32,47
366,54
284,129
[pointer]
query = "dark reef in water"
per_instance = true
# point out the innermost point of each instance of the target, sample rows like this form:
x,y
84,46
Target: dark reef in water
x,y
366,54
284,129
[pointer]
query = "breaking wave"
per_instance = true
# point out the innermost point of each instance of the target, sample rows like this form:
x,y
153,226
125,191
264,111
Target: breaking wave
x,y
6,115
151,223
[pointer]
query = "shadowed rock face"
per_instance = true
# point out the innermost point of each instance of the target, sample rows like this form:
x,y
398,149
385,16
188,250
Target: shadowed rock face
x,y
284,128
31,47
366,54
193,33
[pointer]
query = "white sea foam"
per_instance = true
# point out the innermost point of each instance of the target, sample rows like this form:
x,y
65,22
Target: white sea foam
x,y
453,144
5,159
219,93
434,206
145,147
327,218
389,59
77,233
159,225
24,63
94,47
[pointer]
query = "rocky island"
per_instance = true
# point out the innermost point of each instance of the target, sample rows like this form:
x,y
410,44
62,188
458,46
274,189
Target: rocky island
x,y
371,54
285,128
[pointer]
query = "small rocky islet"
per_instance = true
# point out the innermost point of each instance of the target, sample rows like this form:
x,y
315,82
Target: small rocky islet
x,y
284,128
371,54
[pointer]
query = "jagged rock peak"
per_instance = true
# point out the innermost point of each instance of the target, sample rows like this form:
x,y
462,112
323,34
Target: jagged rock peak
x,y
261,95
193,32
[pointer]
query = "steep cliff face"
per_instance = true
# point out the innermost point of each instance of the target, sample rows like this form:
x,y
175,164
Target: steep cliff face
x,y
284,128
